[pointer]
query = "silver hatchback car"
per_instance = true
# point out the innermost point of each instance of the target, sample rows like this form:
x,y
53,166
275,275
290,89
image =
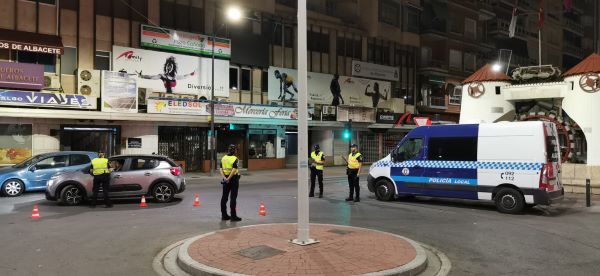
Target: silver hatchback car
x,y
133,176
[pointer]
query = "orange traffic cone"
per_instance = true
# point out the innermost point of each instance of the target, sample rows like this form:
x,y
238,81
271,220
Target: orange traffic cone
x,y
35,214
143,203
262,210
196,200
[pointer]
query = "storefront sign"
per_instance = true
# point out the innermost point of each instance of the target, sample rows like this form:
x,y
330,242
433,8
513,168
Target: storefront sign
x,y
21,75
119,92
19,46
15,143
376,71
172,73
38,99
387,118
178,41
365,115
325,89
134,143
191,107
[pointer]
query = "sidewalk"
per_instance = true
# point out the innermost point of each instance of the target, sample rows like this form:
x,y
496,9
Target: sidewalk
x,y
279,174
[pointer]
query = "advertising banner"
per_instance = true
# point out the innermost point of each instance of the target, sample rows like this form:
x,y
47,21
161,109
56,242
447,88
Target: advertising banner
x,y
363,115
328,89
190,107
376,71
119,92
184,42
21,75
172,73
387,117
15,143
39,99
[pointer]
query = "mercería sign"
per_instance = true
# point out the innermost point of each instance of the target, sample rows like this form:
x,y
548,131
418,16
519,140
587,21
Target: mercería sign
x,y
18,46
21,75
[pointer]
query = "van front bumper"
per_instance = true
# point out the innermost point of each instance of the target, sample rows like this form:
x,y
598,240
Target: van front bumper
x,y
371,183
543,197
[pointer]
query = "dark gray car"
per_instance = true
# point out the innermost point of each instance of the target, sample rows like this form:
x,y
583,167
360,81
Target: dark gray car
x,y
133,176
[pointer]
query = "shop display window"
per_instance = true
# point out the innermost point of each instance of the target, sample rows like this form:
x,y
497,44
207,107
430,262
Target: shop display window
x,y
262,144
15,143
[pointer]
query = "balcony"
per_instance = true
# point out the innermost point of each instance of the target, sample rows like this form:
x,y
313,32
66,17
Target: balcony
x,y
573,50
434,65
573,26
485,10
434,29
500,28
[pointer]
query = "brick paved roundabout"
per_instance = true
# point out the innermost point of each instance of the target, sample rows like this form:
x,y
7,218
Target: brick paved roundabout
x,y
265,250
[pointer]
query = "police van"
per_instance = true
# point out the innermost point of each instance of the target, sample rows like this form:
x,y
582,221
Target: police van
x,y
514,164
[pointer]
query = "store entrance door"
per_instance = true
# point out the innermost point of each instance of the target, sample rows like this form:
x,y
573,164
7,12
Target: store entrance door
x,y
90,138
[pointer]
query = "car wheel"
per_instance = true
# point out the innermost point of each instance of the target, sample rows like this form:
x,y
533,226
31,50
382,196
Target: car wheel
x,y
163,192
384,190
12,188
509,201
71,195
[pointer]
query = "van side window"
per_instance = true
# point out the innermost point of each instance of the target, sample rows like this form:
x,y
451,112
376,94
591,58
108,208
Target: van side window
x,y
452,148
410,148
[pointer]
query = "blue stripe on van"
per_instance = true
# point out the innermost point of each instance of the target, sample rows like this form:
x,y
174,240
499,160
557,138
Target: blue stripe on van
x,y
436,180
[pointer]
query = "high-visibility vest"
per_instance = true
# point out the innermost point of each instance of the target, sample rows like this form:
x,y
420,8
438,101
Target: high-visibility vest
x,y
353,161
100,166
227,164
317,157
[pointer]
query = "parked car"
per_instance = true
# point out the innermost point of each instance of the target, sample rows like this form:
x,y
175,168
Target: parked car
x,y
513,164
133,176
33,173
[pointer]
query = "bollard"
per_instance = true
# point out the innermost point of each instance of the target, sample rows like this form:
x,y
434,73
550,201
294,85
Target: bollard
x,y
588,193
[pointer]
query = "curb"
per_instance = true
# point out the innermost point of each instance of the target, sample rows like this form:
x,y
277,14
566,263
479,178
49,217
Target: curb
x,y
446,264
189,265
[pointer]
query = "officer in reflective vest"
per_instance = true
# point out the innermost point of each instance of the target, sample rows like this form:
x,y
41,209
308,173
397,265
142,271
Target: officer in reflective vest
x,y
231,184
354,164
316,170
101,172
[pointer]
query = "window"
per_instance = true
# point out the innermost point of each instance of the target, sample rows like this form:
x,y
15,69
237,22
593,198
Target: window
x,y
48,60
452,148
234,78
78,159
456,95
68,61
262,143
264,83
102,60
425,56
116,164
52,162
470,62
455,26
498,90
143,164
389,12
412,20
49,2
410,149
455,60
15,143
246,79
349,47
288,35
318,42
470,28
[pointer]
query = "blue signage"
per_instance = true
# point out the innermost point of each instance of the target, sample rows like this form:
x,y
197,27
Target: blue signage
x,y
41,99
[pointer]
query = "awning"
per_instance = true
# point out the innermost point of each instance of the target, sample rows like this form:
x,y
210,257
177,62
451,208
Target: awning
x,y
30,42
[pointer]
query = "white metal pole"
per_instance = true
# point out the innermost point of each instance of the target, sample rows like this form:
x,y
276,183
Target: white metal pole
x,y
540,48
303,227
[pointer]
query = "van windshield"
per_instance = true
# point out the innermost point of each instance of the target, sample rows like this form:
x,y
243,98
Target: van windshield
x,y
409,149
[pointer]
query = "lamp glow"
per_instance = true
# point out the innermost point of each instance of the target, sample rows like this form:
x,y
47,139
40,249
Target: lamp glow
x,y
234,13
496,67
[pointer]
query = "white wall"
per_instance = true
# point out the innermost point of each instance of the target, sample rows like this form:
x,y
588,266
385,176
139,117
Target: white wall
x,y
480,110
148,132
584,108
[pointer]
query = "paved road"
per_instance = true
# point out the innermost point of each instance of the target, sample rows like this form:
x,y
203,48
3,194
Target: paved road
x,y
561,240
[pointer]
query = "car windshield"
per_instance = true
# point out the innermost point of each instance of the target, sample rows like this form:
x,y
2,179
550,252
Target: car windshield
x,y
27,162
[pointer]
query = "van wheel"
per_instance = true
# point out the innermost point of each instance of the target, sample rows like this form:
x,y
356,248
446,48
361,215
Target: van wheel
x,y
163,192
509,201
71,195
384,190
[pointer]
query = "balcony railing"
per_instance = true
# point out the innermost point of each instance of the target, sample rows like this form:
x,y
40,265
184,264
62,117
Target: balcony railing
x,y
501,26
434,64
437,102
573,25
435,26
573,50
454,100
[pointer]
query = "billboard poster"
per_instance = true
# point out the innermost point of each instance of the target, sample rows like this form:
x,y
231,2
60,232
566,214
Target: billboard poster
x,y
21,75
172,73
327,89
377,71
119,92
191,107
184,42
15,143
41,99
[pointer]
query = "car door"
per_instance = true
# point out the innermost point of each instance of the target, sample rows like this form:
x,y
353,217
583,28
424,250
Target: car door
x,y
135,177
407,169
40,172
122,178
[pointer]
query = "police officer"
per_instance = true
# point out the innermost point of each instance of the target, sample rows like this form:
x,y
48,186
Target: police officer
x,y
355,161
231,183
101,172
316,170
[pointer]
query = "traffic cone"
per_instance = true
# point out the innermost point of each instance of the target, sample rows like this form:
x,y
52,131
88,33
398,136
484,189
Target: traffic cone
x,y
262,211
143,203
196,200
35,214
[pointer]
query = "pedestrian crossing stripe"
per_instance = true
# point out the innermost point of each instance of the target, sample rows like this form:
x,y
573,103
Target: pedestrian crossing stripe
x,y
519,166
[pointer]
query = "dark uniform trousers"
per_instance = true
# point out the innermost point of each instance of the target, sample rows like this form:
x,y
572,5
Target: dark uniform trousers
x,y
104,181
230,188
353,183
316,174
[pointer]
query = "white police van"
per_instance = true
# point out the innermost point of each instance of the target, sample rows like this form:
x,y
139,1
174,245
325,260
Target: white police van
x,y
513,164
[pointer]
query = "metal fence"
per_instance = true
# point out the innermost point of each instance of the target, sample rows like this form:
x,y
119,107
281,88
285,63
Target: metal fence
x,y
188,144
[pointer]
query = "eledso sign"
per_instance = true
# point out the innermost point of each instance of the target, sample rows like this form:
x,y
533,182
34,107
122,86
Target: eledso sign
x,y
30,48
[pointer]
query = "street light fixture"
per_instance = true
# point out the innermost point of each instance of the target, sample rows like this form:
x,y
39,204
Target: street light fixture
x,y
496,67
234,14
